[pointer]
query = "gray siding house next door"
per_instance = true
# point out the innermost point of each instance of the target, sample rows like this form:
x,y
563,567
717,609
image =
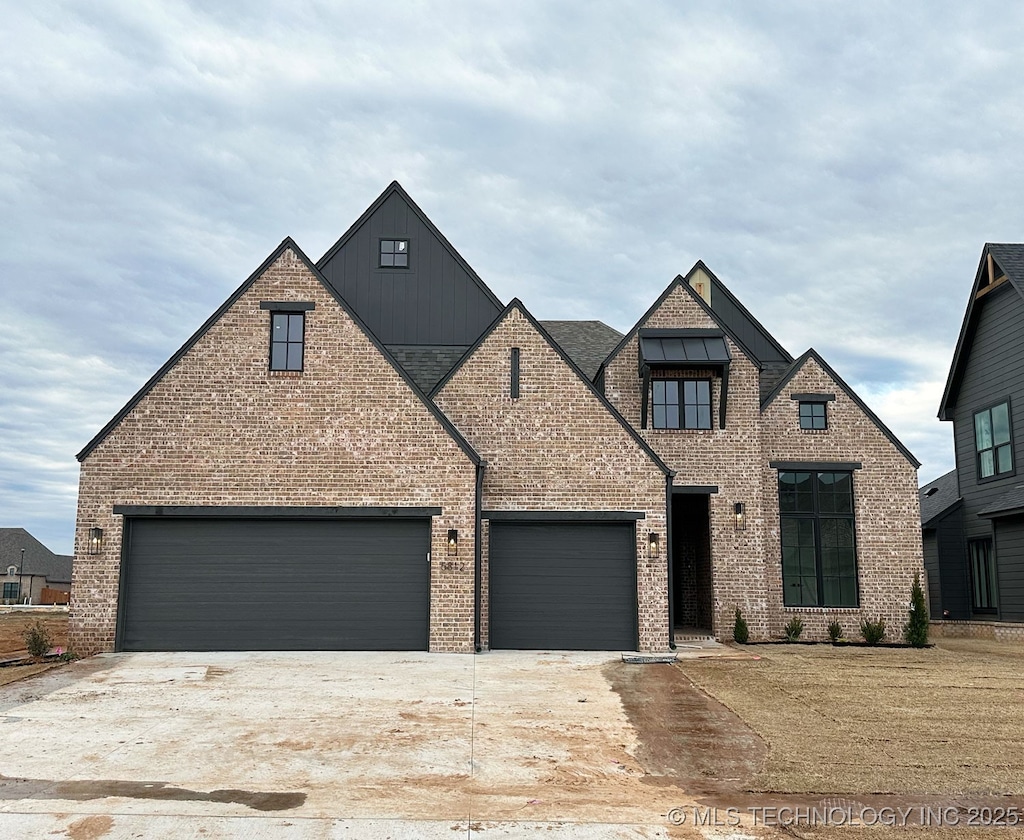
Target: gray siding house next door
x,y
275,584
563,585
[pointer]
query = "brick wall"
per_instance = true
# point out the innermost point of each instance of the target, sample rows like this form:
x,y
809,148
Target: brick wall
x,y
557,447
886,505
220,429
728,458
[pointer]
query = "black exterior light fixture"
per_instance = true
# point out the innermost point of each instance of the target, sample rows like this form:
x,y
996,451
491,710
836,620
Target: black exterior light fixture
x,y
453,542
741,516
95,540
653,544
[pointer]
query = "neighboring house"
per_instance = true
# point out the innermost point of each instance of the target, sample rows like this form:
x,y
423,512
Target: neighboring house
x,y
29,567
373,452
984,396
942,535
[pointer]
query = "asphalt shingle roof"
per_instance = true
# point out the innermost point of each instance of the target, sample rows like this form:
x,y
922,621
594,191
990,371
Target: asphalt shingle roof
x,y
938,496
426,364
39,560
1010,502
587,343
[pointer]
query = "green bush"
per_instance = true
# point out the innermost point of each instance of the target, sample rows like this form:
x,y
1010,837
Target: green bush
x,y
835,630
915,631
37,640
740,631
794,628
873,631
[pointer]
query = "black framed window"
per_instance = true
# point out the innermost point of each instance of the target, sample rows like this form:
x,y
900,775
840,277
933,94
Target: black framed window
x,y
813,415
287,334
12,591
992,438
983,576
394,253
819,552
681,403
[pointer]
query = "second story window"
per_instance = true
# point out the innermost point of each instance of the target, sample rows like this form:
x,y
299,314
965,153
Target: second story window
x,y
681,403
992,437
813,416
394,253
287,331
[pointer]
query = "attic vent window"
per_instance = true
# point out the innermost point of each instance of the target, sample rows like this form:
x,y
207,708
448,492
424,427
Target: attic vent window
x,y
931,491
394,253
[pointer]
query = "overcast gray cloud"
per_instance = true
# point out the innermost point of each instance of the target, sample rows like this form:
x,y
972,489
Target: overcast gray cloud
x,y
839,166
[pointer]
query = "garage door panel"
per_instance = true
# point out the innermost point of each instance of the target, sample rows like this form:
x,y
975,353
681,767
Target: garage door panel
x,y
562,585
218,584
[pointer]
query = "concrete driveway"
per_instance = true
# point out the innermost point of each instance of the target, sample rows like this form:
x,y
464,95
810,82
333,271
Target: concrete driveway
x,y
326,745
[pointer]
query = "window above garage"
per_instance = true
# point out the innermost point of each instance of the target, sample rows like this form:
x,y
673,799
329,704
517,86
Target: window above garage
x,y
676,369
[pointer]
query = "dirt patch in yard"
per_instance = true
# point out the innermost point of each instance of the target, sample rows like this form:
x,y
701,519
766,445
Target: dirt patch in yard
x,y
14,624
944,721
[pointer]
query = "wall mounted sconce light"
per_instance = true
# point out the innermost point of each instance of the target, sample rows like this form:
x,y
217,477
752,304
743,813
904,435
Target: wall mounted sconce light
x,y
741,516
653,543
95,540
453,542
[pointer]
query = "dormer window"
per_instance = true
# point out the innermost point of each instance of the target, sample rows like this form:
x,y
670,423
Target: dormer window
x,y
394,253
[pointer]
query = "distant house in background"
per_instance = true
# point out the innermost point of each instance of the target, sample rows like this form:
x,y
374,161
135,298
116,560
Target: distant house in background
x,y
31,573
980,570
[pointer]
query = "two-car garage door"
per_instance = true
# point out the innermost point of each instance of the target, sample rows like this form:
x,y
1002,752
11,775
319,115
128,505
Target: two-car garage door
x,y
276,584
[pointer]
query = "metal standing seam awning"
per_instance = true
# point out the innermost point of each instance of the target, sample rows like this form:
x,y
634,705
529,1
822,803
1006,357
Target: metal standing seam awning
x,y
700,349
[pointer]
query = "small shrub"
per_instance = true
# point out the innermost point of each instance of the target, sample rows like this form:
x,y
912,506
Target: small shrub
x,y
37,640
873,631
68,656
835,630
740,631
915,631
794,628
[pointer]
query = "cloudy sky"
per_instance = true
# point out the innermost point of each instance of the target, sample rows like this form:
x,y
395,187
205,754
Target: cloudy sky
x,y
838,165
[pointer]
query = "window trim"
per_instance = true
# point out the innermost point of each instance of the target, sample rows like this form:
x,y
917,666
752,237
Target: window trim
x,y
681,403
816,517
811,417
993,577
302,344
380,253
996,476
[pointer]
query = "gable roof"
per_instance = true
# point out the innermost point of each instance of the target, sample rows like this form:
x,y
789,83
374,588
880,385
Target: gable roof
x,y
587,343
1010,259
813,354
438,299
39,560
515,303
286,244
938,497
683,283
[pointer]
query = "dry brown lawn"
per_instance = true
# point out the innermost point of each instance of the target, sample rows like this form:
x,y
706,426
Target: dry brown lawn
x,y
14,624
943,720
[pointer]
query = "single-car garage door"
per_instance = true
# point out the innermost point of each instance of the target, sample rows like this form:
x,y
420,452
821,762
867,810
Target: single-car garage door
x,y
563,585
276,584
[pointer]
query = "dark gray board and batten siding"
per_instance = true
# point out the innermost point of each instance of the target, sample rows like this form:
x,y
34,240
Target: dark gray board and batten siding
x,y
436,301
993,372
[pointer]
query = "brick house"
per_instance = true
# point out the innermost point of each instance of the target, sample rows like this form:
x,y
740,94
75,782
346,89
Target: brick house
x,y
372,452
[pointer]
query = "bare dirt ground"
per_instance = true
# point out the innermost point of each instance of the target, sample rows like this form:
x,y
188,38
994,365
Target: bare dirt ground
x,y
14,624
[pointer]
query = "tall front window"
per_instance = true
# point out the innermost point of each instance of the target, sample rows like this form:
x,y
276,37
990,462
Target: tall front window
x,y
992,439
983,576
819,554
12,591
681,403
286,337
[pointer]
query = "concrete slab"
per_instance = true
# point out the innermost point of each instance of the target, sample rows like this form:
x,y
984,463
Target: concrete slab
x,y
325,745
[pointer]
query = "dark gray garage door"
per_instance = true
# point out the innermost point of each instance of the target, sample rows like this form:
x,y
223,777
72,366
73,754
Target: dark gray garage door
x,y
563,585
256,584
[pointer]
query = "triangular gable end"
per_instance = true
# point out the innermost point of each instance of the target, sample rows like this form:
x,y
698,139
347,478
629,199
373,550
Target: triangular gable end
x,y
798,365
679,282
516,304
999,264
286,244
437,299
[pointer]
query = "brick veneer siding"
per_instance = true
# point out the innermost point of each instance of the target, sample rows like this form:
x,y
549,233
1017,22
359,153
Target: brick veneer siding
x,y
886,506
557,447
728,458
220,429
998,631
